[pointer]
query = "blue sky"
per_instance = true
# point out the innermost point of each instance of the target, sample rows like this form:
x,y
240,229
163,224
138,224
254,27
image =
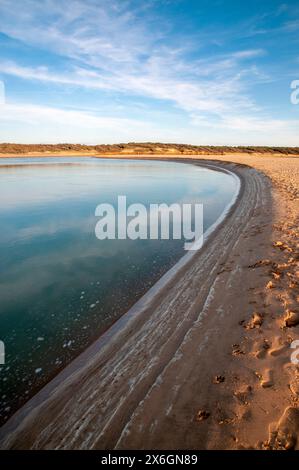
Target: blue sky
x,y
105,71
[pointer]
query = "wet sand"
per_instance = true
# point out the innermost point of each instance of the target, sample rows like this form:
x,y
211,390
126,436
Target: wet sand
x,y
207,364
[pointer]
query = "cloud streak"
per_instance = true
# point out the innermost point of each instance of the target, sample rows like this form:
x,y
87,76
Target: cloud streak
x,y
113,48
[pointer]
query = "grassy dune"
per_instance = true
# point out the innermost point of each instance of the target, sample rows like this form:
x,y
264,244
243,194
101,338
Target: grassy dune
x,y
142,148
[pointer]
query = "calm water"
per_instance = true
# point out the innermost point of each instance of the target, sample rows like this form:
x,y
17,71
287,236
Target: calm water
x,y
60,287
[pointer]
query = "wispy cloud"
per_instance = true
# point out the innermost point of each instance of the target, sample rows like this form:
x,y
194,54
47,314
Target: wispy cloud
x,y
163,79
78,77
112,47
118,52
30,113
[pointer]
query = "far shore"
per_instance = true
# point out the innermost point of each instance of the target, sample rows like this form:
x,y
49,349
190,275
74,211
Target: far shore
x,y
140,149
208,363
162,155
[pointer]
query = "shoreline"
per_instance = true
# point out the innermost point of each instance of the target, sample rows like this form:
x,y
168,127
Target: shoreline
x,y
112,434
150,156
138,308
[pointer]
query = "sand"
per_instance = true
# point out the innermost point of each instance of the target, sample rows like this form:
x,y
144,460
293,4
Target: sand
x,y
207,363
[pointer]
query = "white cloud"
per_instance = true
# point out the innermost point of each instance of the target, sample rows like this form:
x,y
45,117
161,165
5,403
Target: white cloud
x,y
108,46
118,51
79,77
48,124
44,124
251,123
30,113
216,95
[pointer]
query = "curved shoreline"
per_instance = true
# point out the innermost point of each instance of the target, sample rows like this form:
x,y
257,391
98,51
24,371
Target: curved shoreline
x,y
15,432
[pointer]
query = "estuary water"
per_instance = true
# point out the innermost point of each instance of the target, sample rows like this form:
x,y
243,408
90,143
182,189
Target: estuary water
x,y
60,286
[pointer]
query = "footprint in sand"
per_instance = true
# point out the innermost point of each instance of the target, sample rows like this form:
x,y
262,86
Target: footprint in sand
x,y
202,415
236,350
260,353
243,394
255,322
282,246
260,349
284,434
278,244
276,275
279,347
266,379
218,379
291,318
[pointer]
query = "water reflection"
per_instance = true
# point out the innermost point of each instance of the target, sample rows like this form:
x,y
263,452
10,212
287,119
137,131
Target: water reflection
x,y
60,287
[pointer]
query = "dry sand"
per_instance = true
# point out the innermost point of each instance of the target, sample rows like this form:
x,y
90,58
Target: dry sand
x,y
207,365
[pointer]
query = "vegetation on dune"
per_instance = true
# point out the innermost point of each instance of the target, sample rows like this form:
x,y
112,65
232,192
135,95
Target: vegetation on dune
x,y
143,148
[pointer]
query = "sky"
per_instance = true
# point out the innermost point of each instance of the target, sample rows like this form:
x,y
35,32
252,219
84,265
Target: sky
x,y
186,71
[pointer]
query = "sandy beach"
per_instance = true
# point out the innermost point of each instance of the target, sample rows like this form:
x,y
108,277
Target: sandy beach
x,y
206,364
